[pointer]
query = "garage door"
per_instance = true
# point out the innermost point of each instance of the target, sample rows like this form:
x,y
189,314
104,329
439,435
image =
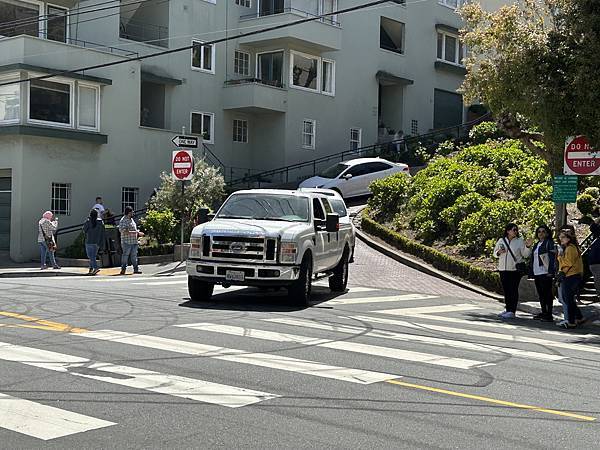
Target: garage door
x,y
447,109
5,188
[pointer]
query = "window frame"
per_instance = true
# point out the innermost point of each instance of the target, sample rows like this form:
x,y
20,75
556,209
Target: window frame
x,y
444,3
257,66
457,48
247,74
6,78
246,3
67,199
212,126
242,134
359,141
212,58
319,59
96,88
402,51
72,103
313,122
136,195
332,62
67,18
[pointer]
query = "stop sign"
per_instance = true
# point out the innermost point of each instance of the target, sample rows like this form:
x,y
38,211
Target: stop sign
x,y
580,158
182,166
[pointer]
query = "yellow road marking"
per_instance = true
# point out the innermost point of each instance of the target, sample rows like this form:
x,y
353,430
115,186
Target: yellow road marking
x,y
491,400
41,323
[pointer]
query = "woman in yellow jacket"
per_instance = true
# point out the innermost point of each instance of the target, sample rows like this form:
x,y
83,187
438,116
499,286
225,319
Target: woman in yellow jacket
x,y
570,271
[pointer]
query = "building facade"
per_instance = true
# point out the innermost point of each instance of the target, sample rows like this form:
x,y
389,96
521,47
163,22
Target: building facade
x,y
260,101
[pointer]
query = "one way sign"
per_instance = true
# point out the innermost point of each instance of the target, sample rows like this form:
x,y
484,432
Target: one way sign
x,y
185,141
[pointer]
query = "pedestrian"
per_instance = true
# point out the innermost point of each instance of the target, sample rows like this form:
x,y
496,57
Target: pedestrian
x,y
593,254
542,268
109,217
99,206
93,229
129,240
570,271
511,250
46,230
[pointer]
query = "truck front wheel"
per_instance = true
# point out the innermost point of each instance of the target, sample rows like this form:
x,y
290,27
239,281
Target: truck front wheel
x,y
300,290
339,280
200,291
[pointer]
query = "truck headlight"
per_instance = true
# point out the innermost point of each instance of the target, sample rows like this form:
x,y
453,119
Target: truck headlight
x,y
195,247
289,250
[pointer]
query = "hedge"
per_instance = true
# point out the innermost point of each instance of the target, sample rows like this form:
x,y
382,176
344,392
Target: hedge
x,y
482,277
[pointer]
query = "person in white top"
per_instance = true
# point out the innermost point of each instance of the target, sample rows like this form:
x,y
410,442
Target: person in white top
x,y
543,267
99,206
511,250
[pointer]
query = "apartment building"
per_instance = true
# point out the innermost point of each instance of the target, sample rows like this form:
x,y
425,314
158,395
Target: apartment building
x,y
259,101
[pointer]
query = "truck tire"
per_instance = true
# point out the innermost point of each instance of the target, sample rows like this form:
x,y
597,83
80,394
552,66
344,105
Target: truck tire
x,y
299,291
200,291
339,280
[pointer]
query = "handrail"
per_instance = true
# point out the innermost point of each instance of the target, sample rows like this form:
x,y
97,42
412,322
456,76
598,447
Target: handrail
x,y
73,228
360,150
101,47
206,150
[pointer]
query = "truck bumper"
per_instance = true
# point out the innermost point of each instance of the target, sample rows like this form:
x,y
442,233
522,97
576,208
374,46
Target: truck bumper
x,y
254,275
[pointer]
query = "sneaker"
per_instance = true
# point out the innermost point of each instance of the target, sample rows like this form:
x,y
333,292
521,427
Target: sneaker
x,y
508,315
90,271
137,271
539,316
501,315
580,321
122,272
43,267
547,319
565,324
56,267
95,271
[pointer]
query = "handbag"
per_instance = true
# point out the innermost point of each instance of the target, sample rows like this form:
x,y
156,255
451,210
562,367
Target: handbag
x,y
49,240
520,266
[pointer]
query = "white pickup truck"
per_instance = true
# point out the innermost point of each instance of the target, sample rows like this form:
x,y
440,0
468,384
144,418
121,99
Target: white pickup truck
x,y
271,238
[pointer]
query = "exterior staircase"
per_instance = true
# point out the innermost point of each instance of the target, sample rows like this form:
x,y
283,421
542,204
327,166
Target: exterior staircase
x,y
587,293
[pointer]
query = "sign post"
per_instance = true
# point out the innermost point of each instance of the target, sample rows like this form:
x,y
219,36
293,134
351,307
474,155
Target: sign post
x,y
182,168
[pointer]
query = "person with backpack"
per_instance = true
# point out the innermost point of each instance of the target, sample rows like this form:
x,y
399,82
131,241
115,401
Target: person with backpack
x,y
511,251
46,230
542,268
93,228
570,272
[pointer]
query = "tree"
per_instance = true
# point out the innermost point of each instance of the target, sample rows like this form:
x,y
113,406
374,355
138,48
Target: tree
x,y
205,189
535,64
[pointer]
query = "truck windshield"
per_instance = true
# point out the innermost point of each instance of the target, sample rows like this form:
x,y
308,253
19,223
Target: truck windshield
x,y
287,208
333,171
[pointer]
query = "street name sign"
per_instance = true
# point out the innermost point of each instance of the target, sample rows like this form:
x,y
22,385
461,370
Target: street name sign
x,y
564,189
580,158
185,141
182,165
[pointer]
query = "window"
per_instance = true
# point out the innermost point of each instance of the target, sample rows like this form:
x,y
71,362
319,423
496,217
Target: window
x,y
152,105
203,56
87,116
328,77
358,170
451,3
414,127
449,48
329,6
29,18
391,35
326,206
240,130
318,209
57,24
129,197
355,138
241,63
61,199
245,3
338,206
10,100
203,124
377,167
51,101
308,133
269,68
269,7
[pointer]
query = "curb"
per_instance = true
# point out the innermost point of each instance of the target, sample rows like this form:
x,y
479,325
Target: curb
x,y
180,267
41,274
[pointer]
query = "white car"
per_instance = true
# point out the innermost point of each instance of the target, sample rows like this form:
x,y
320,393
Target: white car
x,y
352,178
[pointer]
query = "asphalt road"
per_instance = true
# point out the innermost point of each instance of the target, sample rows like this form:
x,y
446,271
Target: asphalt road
x,y
402,360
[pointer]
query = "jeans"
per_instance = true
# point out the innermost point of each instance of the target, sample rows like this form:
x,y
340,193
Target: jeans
x,y
129,250
543,286
568,291
44,253
510,280
92,251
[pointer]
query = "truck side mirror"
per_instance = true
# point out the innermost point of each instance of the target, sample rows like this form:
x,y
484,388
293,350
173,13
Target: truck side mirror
x,y
332,224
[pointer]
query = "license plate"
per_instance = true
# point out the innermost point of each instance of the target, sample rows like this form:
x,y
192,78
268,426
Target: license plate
x,y
234,275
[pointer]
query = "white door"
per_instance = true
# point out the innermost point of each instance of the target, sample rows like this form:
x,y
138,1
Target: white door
x,y
321,246
332,242
355,185
375,171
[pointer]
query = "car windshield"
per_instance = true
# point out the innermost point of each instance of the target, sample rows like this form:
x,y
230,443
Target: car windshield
x,y
333,171
288,208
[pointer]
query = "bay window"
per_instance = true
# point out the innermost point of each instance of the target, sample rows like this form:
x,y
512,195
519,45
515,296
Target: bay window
x,y
33,18
269,68
51,101
312,73
10,100
87,115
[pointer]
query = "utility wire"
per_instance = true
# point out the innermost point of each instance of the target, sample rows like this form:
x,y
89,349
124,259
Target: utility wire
x,y
215,41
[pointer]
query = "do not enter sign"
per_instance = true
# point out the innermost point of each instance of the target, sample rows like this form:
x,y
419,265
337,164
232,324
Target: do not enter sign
x,y
182,167
580,158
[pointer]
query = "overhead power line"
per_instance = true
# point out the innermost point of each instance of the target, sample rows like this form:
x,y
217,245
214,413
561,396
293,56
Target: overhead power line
x,y
215,41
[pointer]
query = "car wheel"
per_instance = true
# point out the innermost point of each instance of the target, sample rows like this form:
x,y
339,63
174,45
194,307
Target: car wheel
x,y
200,291
339,280
299,292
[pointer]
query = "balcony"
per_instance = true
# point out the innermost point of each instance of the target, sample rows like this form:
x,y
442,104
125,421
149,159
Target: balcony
x,y
322,34
254,96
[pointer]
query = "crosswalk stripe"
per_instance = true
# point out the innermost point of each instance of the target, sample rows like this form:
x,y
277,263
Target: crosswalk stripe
x,y
416,338
389,298
351,289
386,352
42,421
189,388
272,361
161,283
428,309
484,334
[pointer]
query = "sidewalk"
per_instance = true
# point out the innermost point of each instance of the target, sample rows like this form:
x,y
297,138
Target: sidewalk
x,y
32,270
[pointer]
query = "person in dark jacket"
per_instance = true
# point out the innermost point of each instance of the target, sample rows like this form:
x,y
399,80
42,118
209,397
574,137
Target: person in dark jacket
x,y
542,268
593,254
93,229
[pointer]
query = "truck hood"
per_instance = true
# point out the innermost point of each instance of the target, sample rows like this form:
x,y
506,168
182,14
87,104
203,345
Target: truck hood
x,y
250,228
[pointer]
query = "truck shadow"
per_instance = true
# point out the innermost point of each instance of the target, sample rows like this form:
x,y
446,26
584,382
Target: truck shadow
x,y
254,299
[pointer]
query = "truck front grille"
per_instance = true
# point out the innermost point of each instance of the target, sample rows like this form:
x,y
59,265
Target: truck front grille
x,y
240,248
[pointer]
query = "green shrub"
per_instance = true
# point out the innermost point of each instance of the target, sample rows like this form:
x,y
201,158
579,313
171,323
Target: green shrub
x,y
502,156
593,191
464,206
155,249
539,212
529,172
484,131
535,193
446,148
160,225
389,195
585,204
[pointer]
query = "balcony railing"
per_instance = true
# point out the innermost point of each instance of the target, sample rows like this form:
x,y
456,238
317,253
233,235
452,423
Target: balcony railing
x,y
144,32
272,83
331,20
102,47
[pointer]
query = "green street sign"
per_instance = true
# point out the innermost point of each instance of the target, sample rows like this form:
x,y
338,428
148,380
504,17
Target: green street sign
x,y
564,189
